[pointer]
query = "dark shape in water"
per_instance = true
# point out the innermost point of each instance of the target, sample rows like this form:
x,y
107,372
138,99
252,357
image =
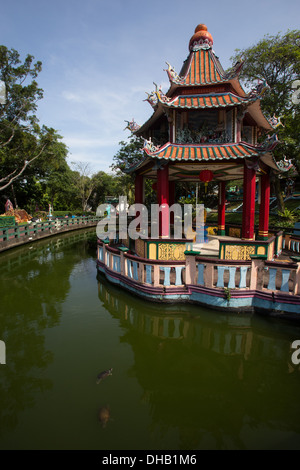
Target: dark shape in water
x,y
104,415
103,374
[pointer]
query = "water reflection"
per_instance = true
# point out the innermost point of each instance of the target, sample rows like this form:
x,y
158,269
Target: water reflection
x,y
213,378
34,282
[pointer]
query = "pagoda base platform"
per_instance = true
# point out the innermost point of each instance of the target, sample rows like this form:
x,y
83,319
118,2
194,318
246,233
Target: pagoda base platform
x,y
254,285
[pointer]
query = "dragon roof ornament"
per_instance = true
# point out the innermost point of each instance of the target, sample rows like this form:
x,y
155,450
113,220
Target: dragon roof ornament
x,y
275,121
148,145
132,126
284,165
156,96
258,90
173,75
235,70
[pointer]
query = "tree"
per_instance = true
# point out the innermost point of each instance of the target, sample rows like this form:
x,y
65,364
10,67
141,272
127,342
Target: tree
x,y
129,154
82,173
22,140
276,60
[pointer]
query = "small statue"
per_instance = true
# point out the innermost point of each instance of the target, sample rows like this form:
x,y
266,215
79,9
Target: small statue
x,y
8,206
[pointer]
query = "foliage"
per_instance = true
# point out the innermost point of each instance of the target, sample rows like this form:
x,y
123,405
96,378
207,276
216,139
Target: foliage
x,y
129,154
276,60
227,293
22,139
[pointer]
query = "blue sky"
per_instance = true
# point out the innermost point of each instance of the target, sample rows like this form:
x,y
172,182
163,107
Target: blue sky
x,y
101,57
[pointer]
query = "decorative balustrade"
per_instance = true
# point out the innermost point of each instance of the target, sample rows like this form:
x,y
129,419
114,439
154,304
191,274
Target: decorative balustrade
x,y
292,243
255,275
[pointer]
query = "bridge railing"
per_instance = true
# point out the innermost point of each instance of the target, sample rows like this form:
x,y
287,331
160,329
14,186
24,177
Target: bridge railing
x,y
33,228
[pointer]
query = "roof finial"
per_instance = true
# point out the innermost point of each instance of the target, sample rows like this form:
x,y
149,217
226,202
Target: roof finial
x,y
201,37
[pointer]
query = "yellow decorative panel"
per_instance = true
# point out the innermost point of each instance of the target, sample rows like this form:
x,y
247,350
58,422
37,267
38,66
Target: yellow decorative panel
x,y
171,252
239,252
152,251
261,250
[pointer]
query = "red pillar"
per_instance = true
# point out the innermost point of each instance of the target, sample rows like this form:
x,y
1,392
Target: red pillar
x,y
248,203
263,229
139,189
139,193
163,201
221,208
171,199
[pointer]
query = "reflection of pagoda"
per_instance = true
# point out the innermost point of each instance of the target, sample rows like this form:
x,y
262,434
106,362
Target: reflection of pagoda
x,y
207,127
205,377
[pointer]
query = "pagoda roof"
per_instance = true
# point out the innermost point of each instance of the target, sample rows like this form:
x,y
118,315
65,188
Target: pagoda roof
x,y
202,152
225,160
201,68
210,100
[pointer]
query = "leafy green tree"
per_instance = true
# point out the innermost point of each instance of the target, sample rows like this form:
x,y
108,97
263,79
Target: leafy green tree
x,y
22,139
104,185
82,179
276,60
129,154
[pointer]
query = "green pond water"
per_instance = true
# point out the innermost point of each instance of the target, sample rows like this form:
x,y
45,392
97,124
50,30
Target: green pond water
x,y
184,377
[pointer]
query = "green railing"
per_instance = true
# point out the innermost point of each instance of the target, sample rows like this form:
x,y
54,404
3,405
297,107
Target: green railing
x,y
7,221
11,232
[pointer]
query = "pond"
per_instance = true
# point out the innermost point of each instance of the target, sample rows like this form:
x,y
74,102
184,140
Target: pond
x,y
183,378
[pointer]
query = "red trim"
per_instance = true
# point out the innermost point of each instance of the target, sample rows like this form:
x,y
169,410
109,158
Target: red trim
x,y
221,206
264,204
248,203
139,190
163,200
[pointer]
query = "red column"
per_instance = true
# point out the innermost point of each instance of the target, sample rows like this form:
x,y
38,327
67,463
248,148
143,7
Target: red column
x,y
171,199
263,229
163,201
139,189
139,193
221,208
248,203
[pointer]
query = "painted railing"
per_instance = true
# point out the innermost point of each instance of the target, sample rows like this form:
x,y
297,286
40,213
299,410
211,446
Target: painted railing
x,y
221,275
31,229
144,271
292,243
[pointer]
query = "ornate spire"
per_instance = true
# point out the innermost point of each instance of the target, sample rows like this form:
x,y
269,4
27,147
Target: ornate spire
x,y
201,37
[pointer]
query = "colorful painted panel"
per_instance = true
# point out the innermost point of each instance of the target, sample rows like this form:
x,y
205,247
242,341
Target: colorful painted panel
x,y
239,252
171,251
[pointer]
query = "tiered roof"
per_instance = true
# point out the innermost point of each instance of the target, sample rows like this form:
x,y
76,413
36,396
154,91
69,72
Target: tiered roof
x,y
203,84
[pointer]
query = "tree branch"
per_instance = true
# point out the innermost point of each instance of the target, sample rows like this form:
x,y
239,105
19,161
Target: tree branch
x,y
26,163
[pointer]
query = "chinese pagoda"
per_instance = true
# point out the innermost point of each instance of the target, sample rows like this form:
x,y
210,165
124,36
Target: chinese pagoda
x,y
207,127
